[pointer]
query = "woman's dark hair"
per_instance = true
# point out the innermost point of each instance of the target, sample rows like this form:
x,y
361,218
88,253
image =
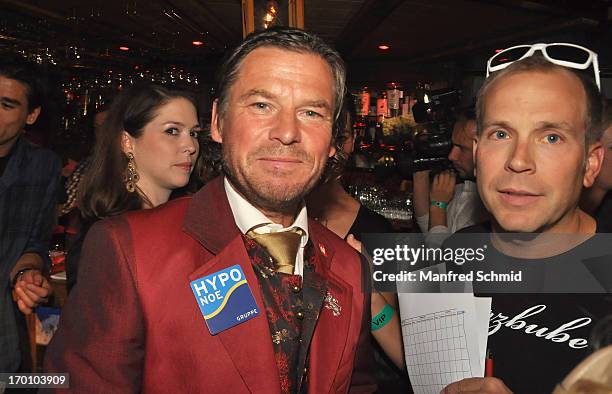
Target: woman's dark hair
x,y
102,192
208,166
343,126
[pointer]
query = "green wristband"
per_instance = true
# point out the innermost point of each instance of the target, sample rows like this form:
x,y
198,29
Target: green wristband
x,y
383,317
439,204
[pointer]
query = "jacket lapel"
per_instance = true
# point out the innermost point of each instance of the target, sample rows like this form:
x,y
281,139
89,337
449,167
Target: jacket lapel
x,y
209,220
248,344
332,330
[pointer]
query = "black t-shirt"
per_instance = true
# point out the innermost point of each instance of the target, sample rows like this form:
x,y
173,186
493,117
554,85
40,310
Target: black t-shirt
x,y
537,339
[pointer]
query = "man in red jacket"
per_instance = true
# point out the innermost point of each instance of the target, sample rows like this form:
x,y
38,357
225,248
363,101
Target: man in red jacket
x,y
193,296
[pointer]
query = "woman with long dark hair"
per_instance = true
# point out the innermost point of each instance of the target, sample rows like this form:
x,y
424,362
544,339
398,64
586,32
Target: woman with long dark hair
x,y
147,147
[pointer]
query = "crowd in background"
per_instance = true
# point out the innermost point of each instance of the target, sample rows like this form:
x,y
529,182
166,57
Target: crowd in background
x,y
150,147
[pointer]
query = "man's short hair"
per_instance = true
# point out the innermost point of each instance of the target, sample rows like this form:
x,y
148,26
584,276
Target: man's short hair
x,y
466,114
27,74
289,39
607,116
538,63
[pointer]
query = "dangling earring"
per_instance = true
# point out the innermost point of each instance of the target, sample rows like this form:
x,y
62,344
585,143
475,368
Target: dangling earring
x,y
130,177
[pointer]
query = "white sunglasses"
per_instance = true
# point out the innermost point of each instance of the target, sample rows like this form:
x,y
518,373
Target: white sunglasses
x,y
563,54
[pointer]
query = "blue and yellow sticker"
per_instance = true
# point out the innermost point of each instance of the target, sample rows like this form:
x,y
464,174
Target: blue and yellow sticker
x,y
225,299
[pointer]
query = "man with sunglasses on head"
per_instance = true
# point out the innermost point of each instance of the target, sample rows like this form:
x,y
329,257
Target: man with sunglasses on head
x,y
536,148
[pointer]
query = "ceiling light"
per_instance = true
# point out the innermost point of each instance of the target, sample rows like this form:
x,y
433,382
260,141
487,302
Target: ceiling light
x,y
197,43
122,48
383,47
271,14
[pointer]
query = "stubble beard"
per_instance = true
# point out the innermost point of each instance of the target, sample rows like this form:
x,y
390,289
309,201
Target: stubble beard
x,y
266,195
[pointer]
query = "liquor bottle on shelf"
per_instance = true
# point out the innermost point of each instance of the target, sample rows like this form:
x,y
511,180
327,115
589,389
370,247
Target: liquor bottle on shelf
x,y
360,127
378,133
371,130
393,97
364,107
382,107
405,105
57,253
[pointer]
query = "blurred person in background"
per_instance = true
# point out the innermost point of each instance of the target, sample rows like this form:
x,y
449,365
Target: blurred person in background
x,y
69,215
29,184
334,208
74,177
330,204
597,200
446,207
146,148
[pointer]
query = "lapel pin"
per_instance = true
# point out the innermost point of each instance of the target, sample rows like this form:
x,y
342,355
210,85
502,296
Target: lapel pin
x,y
323,250
332,304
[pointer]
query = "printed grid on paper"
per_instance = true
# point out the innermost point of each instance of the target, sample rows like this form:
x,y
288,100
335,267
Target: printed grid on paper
x,y
436,350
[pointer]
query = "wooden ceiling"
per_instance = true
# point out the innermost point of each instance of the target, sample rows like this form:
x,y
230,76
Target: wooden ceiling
x,y
423,35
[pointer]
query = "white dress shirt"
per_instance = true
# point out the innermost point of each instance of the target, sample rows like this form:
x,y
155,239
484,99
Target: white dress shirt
x,y
247,216
464,210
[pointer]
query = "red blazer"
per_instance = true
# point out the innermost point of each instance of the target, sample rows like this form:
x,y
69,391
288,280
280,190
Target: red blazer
x,y
132,323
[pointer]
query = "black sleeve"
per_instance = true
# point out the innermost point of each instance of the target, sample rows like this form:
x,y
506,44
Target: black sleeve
x,y
368,221
363,379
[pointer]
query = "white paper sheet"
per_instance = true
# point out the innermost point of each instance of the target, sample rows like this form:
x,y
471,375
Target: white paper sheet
x,y
483,313
444,337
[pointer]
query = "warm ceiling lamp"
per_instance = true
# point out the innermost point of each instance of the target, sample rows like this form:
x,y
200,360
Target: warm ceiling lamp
x,y
197,43
383,47
271,16
122,48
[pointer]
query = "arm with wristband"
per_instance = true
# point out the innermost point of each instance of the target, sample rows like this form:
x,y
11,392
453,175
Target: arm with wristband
x,y
386,328
385,325
442,191
420,185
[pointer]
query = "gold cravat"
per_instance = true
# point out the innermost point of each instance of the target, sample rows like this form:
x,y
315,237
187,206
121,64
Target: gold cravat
x,y
282,246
